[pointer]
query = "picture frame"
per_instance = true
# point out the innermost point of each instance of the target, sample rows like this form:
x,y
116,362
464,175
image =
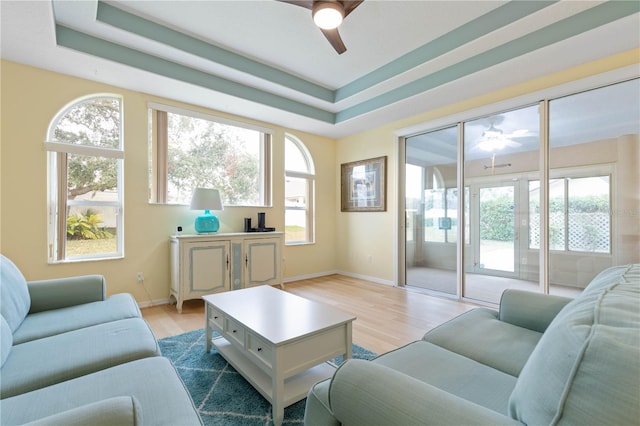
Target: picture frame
x,y
363,185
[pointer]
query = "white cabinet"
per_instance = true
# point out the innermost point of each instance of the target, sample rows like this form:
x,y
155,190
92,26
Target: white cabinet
x,y
205,264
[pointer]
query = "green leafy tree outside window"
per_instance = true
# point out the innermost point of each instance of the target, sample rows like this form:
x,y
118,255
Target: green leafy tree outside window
x,y
203,153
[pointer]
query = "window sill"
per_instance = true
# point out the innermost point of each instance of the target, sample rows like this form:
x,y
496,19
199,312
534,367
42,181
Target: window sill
x,y
301,243
83,260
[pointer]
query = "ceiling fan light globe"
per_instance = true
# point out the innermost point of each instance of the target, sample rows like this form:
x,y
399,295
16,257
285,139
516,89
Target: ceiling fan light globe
x,y
327,15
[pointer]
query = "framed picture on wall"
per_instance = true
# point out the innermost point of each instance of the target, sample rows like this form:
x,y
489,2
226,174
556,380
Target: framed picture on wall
x,y
363,185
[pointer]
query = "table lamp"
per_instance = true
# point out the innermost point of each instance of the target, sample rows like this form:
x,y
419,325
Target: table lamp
x,y
206,199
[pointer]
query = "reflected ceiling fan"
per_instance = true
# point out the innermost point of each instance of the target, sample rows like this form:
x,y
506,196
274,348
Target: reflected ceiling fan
x,y
328,15
494,139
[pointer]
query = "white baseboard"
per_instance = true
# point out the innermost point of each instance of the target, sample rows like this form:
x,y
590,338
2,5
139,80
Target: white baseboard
x,y
156,302
367,278
309,276
348,274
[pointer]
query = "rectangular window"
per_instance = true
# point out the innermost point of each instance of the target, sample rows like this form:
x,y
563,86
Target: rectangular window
x,y
191,150
579,214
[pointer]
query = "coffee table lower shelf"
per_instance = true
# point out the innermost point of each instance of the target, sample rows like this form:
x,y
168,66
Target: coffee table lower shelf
x,y
295,387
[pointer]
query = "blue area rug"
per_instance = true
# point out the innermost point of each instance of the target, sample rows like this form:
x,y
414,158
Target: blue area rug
x,y
221,395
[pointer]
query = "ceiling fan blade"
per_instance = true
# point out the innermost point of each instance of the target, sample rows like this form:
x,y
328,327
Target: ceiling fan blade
x,y
334,38
307,4
349,6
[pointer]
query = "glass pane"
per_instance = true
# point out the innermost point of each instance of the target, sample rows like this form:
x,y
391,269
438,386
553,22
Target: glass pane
x,y
295,220
501,160
95,122
497,245
91,230
557,209
450,225
589,224
594,146
431,210
294,159
295,228
434,213
93,200
203,153
91,177
556,214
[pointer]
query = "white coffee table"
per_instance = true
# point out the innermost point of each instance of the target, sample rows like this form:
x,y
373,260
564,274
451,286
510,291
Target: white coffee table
x,y
278,341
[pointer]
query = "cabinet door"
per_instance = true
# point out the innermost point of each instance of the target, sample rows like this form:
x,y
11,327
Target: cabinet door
x,y
207,267
262,261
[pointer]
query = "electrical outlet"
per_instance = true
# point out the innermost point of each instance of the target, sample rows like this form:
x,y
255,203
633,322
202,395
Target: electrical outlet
x,y
140,277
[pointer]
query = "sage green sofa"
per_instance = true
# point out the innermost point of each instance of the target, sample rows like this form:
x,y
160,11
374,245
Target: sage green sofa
x,y
538,360
71,355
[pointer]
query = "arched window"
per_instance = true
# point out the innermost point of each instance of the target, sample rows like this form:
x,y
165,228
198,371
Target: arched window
x,y
85,172
298,192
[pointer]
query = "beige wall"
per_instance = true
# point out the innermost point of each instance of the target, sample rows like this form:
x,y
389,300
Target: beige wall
x,y
353,243
30,99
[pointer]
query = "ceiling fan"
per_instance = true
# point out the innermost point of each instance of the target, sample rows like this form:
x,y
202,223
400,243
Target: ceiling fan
x,y
328,15
494,139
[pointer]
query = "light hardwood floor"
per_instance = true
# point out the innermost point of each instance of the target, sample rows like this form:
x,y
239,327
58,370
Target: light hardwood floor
x,y
387,317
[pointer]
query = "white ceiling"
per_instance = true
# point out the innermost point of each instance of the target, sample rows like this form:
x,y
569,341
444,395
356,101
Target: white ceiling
x,y
266,60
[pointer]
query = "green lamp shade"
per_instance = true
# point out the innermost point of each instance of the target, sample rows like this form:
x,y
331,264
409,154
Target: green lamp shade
x,y
207,222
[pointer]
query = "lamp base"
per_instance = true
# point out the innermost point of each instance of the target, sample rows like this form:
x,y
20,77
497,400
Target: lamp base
x,y
207,223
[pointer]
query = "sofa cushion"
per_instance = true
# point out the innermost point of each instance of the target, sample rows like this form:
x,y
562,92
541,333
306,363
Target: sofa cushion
x,y
13,293
153,382
120,411
366,393
453,373
586,367
6,340
49,323
43,362
480,335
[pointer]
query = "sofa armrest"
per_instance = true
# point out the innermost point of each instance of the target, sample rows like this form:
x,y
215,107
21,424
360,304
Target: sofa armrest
x,y
121,410
534,311
63,292
366,393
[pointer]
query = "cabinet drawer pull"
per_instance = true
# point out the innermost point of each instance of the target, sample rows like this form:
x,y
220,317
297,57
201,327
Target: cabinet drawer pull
x,y
215,317
235,331
259,349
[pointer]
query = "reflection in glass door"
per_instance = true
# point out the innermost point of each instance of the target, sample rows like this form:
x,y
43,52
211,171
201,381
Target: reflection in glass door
x,y
431,210
496,242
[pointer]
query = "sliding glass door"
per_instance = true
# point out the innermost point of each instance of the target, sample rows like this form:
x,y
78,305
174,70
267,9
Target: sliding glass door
x,y
594,186
501,152
431,210
539,212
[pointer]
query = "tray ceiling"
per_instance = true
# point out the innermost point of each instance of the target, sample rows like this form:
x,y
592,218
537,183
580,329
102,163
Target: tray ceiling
x,y
267,61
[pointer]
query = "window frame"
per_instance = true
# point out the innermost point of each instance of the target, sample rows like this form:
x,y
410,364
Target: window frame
x,y
57,176
158,153
309,177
